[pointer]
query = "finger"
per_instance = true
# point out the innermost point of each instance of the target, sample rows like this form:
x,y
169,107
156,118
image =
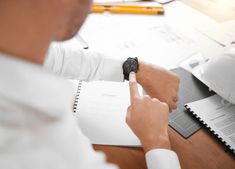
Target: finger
x,y
175,99
128,114
129,109
134,92
155,100
173,105
166,106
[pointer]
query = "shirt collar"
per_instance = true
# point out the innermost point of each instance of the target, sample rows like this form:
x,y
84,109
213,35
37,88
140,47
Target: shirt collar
x,y
31,86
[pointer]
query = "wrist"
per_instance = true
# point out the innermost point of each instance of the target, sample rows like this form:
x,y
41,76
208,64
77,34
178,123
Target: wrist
x,y
144,74
161,142
140,74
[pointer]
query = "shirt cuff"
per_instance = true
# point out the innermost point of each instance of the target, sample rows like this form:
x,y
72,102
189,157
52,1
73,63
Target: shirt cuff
x,y
112,70
162,159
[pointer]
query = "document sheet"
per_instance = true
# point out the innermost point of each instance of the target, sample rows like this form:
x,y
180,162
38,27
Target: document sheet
x,y
163,40
218,115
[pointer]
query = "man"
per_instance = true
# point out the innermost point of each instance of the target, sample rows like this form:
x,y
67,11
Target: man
x,y
36,122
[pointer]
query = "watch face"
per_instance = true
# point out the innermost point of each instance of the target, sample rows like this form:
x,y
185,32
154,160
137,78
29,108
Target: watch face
x,y
130,65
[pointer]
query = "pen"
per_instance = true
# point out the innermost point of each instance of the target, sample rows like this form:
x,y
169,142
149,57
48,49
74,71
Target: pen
x,y
82,42
127,9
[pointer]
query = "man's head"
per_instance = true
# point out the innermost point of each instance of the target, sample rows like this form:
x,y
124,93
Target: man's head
x,y
36,23
71,15
67,16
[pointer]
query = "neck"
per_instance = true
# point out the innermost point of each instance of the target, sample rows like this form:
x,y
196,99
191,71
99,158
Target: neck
x,y
20,35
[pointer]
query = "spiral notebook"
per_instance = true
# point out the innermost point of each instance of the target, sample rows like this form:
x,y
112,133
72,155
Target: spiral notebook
x,y
218,116
100,110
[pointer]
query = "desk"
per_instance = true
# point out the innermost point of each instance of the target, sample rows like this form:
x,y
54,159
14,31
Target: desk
x,y
220,10
200,151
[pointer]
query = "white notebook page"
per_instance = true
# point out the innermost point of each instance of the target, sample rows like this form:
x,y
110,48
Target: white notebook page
x,y
101,113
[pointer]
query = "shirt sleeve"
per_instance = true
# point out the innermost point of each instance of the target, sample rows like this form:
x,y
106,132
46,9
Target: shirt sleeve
x,y
42,141
162,159
82,64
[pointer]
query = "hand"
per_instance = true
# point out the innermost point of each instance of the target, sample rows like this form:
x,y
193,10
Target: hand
x,y
148,118
159,83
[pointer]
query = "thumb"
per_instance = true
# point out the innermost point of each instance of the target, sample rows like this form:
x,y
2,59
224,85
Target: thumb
x,y
128,115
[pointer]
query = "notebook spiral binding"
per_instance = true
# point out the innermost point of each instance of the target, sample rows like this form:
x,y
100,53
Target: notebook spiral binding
x,y
75,106
209,128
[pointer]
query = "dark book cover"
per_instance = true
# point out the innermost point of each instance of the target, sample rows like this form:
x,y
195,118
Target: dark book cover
x,y
191,89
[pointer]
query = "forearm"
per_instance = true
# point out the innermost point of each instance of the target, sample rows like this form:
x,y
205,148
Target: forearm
x,y
158,153
160,142
83,64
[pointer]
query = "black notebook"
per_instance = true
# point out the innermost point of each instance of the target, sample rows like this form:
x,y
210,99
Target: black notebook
x,y
191,89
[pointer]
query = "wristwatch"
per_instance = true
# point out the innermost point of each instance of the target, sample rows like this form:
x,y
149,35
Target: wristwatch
x,y
130,65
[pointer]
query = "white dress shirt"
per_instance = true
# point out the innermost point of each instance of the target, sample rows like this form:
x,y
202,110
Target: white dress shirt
x,y
37,127
82,64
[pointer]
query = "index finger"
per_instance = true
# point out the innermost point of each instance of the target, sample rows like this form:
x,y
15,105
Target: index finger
x,y
134,92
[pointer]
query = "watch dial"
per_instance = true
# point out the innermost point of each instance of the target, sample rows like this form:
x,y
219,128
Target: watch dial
x,y
131,65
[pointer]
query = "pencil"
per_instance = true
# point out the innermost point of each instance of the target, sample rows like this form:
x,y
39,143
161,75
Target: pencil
x,y
127,9
107,5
